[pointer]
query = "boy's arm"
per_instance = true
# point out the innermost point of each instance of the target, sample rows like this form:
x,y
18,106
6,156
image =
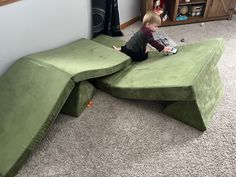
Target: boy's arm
x,y
154,43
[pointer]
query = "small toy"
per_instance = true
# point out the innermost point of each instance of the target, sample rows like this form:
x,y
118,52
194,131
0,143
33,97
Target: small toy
x,y
181,18
90,104
196,10
165,17
158,7
174,50
183,10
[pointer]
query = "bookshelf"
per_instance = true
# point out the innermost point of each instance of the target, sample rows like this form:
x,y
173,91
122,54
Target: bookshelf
x,y
193,11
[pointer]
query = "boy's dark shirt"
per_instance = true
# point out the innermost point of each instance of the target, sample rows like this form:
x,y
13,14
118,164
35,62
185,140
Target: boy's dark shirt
x,y
139,40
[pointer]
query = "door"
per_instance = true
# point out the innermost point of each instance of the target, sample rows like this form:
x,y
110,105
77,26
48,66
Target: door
x,y
219,8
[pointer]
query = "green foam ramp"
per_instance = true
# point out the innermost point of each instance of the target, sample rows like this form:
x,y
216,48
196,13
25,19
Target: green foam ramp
x,y
189,81
29,103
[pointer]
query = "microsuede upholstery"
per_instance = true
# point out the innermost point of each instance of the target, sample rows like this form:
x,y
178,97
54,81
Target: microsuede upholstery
x,y
190,76
32,94
108,41
82,93
84,59
34,89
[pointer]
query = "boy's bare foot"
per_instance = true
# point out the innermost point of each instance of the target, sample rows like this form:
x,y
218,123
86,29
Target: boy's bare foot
x,y
116,48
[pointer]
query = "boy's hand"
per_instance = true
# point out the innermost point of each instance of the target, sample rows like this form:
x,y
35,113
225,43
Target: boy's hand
x,y
167,49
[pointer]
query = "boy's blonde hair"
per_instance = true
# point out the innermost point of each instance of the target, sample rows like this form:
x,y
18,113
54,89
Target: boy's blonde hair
x,y
151,17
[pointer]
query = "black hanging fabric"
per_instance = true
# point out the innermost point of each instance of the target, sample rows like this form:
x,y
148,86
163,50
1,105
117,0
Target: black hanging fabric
x,y
106,18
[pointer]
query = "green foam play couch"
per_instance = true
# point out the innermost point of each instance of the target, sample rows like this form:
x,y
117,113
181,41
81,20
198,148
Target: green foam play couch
x,y
188,81
35,88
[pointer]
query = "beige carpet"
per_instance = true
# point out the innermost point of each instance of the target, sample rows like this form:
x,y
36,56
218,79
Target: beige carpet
x,y
122,138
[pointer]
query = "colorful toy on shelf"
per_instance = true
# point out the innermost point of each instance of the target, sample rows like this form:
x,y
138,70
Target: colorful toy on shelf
x,y
183,10
181,18
158,6
196,10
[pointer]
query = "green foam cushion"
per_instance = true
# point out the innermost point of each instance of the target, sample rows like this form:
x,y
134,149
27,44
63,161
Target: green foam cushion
x,y
163,77
109,41
35,88
84,59
79,98
32,94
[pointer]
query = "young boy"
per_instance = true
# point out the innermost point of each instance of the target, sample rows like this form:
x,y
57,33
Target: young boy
x,y
136,46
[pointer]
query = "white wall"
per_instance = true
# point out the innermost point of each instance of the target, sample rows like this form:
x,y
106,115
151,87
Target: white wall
x,y
29,26
128,9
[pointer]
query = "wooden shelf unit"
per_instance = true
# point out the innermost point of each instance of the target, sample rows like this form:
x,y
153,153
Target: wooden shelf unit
x,y
212,10
193,2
